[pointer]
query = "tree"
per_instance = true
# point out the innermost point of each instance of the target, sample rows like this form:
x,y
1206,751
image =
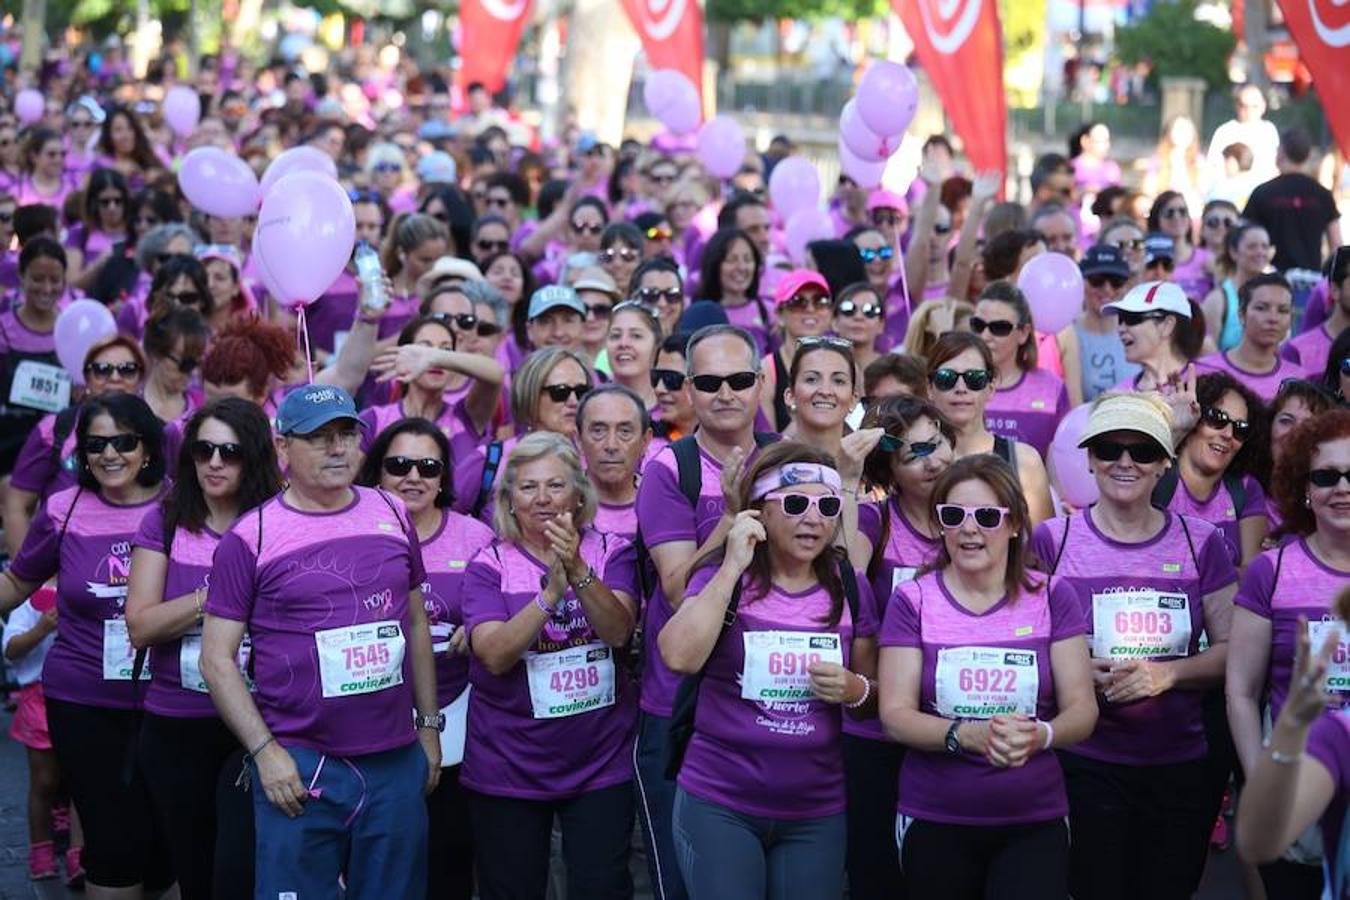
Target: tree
x,y
758,10
1174,44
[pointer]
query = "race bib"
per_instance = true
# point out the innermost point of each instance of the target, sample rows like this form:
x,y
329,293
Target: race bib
x,y
777,663
360,659
572,681
1140,624
39,385
441,632
901,574
1338,671
190,662
119,657
983,682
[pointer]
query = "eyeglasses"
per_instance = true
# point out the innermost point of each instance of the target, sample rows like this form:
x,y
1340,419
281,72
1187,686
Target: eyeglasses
x,y
849,309
627,254
94,445
107,202
886,218
204,451
487,329
184,298
1328,478
663,180
486,246
976,379
658,295
1130,319
670,379
998,327
1175,212
107,370
1133,245
954,515
583,228
1099,281
497,202
1220,221
889,443
558,393
1165,263
657,233
737,381
187,365
1143,452
1219,420
399,466
366,196
872,254
598,311
457,321
797,505
808,302
386,167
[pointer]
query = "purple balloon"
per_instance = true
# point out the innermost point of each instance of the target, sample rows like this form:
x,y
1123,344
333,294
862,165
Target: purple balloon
x,y
306,230
721,146
888,97
182,109
867,174
218,183
672,98
297,159
805,226
28,106
865,143
79,326
1069,463
1054,288
793,186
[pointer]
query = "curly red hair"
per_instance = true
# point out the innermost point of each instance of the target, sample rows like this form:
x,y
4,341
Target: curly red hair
x,y
249,349
1289,483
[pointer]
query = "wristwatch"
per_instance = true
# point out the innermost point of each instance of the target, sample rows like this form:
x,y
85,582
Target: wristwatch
x,y
436,721
952,741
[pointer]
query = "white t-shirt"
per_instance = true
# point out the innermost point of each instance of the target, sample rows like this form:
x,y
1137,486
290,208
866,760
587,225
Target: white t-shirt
x,y
27,669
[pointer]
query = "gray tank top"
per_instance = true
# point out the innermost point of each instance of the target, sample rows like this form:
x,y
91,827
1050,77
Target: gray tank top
x,y
1102,359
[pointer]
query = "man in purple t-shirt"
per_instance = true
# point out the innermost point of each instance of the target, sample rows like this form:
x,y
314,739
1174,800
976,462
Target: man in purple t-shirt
x,y
325,577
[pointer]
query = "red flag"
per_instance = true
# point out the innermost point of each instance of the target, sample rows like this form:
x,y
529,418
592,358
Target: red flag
x,y
489,34
672,35
960,45
1321,29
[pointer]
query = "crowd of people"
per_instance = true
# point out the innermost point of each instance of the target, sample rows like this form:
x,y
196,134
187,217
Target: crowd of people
x,y
601,512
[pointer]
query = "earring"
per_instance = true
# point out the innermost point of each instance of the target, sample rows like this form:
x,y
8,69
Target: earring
x,y
1307,501
511,510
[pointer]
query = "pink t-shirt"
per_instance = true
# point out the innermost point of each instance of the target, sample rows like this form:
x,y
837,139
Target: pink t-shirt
x,y
1218,510
620,520
1309,351
1029,410
446,555
1264,384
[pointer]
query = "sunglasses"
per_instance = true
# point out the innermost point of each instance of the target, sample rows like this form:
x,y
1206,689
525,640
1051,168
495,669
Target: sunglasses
x,y
1327,478
1175,212
387,167
122,443
825,340
583,228
849,309
558,392
998,327
954,515
657,295
497,202
1219,420
398,466
1134,245
737,381
598,311
357,196
204,451
457,321
872,254
886,218
806,302
1220,221
1144,452
1099,281
187,365
1130,319
917,449
485,246
658,234
670,379
486,329
664,180
945,379
797,505
184,298
627,254
107,370
110,201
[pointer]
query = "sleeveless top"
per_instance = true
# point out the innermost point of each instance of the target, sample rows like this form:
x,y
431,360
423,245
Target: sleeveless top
x,y
1231,333
1101,361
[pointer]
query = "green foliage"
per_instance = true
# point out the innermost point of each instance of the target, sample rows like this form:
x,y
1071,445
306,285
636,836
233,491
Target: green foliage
x,y
758,10
1174,44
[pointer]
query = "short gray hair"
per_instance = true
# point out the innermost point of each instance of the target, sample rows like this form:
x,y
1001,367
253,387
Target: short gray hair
x,y
152,243
719,330
481,292
534,446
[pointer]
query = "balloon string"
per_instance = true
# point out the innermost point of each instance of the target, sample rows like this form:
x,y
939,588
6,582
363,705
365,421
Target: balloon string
x,y
904,284
303,334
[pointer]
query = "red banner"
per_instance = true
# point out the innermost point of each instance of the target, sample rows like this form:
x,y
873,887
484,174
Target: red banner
x,y
672,35
960,46
1321,29
489,34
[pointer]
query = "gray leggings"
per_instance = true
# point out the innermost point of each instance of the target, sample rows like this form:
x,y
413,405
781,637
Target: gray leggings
x,y
724,853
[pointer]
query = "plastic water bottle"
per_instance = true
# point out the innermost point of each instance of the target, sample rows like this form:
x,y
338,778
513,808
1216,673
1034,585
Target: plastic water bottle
x,y
371,276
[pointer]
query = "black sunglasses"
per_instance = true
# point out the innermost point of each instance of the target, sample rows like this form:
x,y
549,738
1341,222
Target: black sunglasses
x,y
458,321
398,466
1098,281
106,370
184,298
849,309
487,329
808,301
627,254
187,365
737,381
583,228
1143,452
1326,478
945,379
1219,420
671,379
998,327
94,445
1130,319
917,449
492,246
558,392
203,452
656,295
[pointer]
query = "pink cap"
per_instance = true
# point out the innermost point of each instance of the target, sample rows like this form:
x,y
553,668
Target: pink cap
x,y
797,279
884,199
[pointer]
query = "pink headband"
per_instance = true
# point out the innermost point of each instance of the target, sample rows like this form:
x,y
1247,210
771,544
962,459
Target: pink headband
x,y
793,474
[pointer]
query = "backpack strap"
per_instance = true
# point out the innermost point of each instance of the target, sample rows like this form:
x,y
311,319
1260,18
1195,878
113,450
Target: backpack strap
x,y
689,468
1166,488
1190,542
849,578
1063,542
492,460
685,707
781,414
1237,491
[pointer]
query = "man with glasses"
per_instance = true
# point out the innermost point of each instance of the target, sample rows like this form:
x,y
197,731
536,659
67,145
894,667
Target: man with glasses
x,y
343,726
505,195
555,318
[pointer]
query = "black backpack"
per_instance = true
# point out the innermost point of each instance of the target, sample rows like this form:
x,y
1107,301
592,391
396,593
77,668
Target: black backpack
x,y
1166,489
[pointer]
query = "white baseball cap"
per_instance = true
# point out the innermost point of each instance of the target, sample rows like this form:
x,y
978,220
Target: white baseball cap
x,y
1153,296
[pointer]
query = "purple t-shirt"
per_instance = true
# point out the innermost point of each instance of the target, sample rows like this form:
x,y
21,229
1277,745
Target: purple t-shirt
x,y
1280,585
972,665
326,604
177,688
1193,276
1147,601
39,469
446,555
779,758
1218,510
749,316
334,311
523,740
620,520
33,351
1263,384
453,421
92,658
1309,351
402,309
1329,744
1029,410
469,471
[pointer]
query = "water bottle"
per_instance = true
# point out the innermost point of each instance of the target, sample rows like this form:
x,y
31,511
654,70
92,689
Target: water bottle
x,y
371,277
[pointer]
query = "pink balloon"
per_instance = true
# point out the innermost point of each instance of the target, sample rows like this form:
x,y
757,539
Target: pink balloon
x,y
794,185
297,159
79,326
28,106
182,109
218,183
888,97
867,174
306,229
1076,484
721,146
672,98
865,143
805,226
1054,288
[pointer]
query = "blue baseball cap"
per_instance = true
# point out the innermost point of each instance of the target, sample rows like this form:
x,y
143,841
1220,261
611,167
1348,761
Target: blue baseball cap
x,y
552,296
312,406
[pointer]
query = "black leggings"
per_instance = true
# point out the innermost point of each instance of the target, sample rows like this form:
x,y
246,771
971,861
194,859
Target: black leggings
x,y
871,778
95,749
449,840
986,862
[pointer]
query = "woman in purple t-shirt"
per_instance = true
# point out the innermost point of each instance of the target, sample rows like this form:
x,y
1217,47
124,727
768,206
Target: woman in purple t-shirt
x,y
984,669
174,342
104,223
731,270
32,381
83,536
858,319
227,466
1296,402
760,805
1265,309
